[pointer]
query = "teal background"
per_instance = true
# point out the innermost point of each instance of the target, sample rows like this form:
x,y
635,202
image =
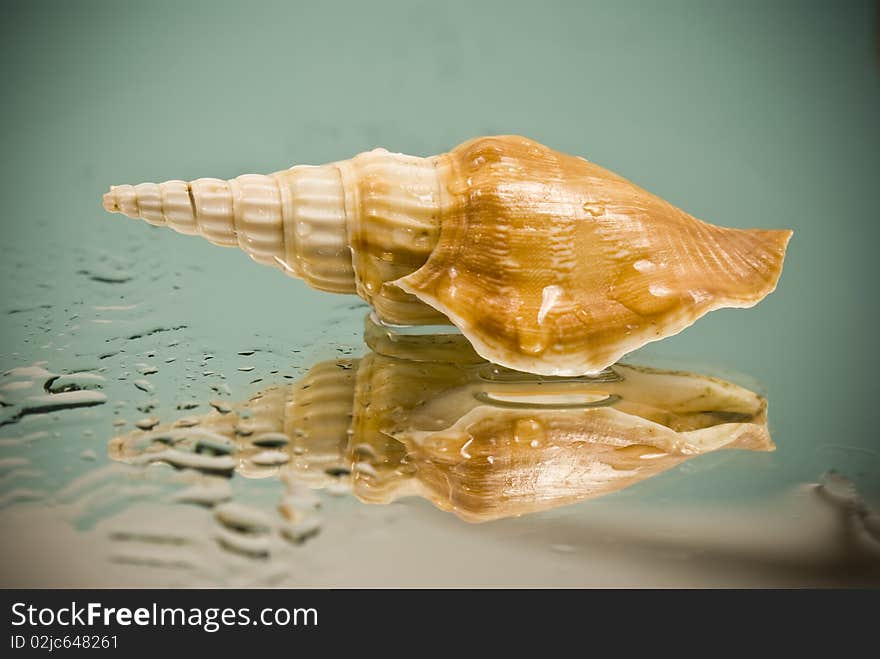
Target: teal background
x,y
746,114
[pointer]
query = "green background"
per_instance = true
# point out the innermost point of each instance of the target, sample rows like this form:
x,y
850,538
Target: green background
x,y
746,114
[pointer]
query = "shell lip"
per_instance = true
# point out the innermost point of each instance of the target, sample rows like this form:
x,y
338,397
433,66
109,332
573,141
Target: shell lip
x,y
486,351
575,364
580,363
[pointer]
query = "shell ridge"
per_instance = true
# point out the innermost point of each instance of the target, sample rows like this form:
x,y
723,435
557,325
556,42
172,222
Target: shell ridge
x,y
284,204
700,256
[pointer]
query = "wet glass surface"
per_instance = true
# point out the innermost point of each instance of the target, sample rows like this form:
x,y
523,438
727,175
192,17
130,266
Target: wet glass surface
x,y
149,421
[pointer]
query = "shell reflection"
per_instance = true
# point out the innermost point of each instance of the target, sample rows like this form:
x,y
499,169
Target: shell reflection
x,y
426,416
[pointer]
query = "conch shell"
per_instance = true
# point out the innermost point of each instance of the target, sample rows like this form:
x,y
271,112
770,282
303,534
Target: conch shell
x,y
546,262
425,416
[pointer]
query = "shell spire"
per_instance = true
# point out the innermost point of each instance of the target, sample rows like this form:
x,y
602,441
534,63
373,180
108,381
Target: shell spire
x,y
256,214
546,262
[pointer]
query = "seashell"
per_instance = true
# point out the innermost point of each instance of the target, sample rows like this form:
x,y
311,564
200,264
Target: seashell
x,y
420,416
546,262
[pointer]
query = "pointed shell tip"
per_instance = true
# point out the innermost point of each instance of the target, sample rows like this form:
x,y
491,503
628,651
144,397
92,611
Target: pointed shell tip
x,y
109,202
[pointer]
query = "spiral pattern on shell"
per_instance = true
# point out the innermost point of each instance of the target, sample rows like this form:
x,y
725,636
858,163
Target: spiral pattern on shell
x,y
546,262
285,220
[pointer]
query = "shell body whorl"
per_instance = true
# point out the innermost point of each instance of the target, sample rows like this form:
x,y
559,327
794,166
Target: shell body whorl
x,y
394,205
551,264
546,262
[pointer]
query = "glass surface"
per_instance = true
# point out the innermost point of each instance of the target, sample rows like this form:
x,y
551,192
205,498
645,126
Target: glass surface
x,y
744,114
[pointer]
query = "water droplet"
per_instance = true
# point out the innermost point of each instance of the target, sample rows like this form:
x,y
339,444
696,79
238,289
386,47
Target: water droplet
x,y
593,209
364,450
299,532
220,406
640,451
700,296
271,439
528,431
143,385
365,469
533,342
238,516
402,236
549,298
244,430
584,316
270,458
148,423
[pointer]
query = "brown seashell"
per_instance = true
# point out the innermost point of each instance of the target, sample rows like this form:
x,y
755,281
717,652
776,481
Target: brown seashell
x,y
546,262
